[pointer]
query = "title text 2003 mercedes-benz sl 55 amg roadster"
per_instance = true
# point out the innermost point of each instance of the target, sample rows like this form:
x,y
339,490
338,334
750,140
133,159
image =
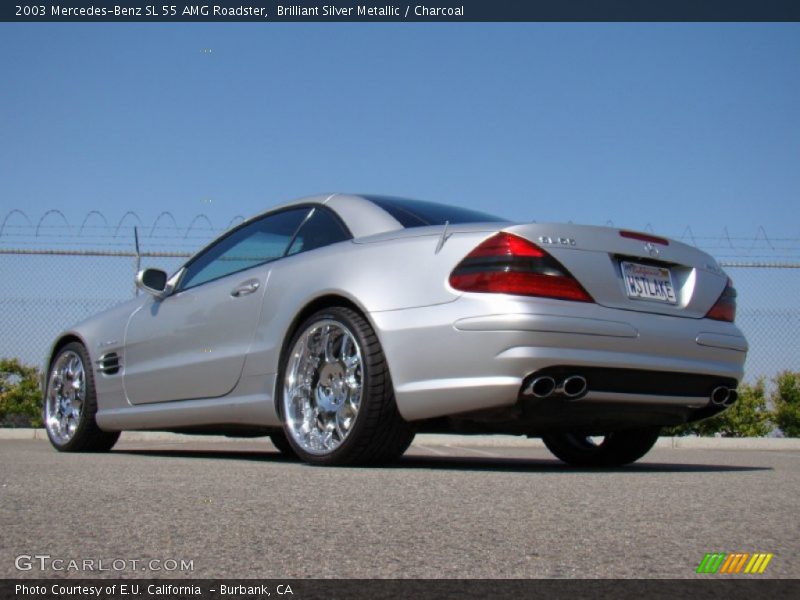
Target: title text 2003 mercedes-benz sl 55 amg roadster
x,y
342,325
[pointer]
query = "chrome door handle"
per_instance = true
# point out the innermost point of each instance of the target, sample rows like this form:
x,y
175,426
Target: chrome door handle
x,y
248,287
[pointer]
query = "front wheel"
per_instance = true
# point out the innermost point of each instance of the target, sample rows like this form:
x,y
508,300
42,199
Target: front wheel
x,y
70,404
614,450
335,395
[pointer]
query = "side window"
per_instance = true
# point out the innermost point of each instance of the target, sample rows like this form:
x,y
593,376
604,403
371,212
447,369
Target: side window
x,y
254,244
320,229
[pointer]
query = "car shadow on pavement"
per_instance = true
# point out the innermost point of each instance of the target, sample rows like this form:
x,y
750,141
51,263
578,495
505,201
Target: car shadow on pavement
x,y
543,465
247,455
452,463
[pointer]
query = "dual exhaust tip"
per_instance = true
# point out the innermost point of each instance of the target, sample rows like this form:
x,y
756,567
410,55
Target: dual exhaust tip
x,y
723,396
573,386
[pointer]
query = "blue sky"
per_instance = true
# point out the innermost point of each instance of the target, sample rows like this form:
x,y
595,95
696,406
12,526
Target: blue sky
x,y
662,124
666,124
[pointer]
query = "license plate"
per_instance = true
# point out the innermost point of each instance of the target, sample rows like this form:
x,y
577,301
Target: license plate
x,y
645,282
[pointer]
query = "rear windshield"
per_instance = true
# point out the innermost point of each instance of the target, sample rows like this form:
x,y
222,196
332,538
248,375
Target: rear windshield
x,y
418,213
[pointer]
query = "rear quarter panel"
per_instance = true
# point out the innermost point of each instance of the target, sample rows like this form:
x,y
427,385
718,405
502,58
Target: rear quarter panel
x,y
386,274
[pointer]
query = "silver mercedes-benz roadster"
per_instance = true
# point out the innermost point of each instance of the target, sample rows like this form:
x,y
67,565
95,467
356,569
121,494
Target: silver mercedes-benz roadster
x,y
341,325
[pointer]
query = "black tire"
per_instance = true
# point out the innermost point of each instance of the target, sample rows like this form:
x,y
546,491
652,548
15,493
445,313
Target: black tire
x,y
278,439
379,434
88,437
617,448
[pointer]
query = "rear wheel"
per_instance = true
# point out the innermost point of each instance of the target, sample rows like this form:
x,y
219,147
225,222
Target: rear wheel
x,y
335,394
278,439
70,404
613,450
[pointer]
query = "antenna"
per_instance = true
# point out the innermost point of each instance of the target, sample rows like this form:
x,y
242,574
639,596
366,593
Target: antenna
x,y
443,238
138,255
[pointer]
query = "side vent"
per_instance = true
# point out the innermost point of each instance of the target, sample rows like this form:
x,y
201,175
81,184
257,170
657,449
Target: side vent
x,y
109,364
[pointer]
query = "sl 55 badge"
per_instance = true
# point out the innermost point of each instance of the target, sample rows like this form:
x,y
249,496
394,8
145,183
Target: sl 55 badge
x,y
563,241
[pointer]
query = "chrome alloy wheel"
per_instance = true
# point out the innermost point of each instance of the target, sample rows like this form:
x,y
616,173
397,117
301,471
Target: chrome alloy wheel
x,y
66,395
323,387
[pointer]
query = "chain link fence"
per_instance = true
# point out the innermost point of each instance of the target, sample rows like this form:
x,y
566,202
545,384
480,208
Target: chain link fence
x,y
768,313
46,290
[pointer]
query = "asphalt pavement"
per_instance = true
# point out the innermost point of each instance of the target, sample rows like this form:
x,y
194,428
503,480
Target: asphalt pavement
x,y
238,509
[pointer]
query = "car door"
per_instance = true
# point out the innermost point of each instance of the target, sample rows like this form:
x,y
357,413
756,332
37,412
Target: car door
x,y
193,343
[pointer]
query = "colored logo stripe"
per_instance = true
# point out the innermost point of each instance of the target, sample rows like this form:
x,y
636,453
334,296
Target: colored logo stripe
x,y
722,562
711,562
734,562
758,563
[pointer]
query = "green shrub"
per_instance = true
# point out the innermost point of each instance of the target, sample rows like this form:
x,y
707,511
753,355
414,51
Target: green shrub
x,y
20,397
786,402
749,417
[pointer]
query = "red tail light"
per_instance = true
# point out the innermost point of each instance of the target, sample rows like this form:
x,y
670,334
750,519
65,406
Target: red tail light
x,y
725,307
509,264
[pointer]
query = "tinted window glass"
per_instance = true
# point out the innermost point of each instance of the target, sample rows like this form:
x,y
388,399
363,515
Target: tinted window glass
x,y
259,242
417,213
320,229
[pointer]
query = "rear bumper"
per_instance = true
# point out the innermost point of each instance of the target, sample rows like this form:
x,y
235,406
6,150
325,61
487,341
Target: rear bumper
x,y
476,352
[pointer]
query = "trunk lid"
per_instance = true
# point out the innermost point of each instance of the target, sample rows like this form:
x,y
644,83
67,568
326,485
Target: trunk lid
x,y
630,272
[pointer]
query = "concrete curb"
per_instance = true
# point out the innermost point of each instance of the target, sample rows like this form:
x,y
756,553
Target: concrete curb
x,y
431,439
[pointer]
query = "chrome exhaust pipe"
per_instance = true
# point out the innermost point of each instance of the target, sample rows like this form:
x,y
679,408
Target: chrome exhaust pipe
x,y
733,396
574,386
542,387
720,396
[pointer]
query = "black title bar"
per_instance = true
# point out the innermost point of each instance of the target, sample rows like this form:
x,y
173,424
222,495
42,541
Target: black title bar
x,y
454,11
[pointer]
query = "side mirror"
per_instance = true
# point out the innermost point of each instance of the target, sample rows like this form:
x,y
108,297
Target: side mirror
x,y
153,281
